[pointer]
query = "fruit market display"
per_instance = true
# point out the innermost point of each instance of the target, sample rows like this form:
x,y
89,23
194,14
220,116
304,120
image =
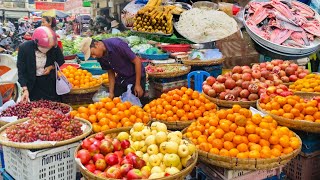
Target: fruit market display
x,y
154,18
144,153
280,90
22,109
44,125
104,78
111,113
236,132
310,83
292,107
179,105
164,69
80,78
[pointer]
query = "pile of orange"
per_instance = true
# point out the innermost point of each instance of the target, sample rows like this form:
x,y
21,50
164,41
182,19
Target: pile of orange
x,y
104,78
237,133
111,113
310,83
293,107
179,105
80,78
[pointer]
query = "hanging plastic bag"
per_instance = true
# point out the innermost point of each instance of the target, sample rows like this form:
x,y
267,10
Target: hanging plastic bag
x,y
128,96
102,93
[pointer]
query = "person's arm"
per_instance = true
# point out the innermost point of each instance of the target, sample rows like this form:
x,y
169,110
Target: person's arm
x,y
112,81
58,57
137,66
22,73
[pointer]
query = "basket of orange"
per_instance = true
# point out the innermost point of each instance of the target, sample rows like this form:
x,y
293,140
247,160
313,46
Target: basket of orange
x,y
110,114
84,86
105,79
293,111
236,139
179,108
308,86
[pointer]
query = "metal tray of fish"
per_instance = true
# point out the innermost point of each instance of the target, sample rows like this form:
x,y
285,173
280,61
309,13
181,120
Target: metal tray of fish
x,y
284,50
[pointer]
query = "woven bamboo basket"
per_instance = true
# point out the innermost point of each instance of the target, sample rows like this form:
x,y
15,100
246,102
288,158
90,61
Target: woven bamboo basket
x,y
288,84
302,125
189,62
170,74
224,103
177,125
113,133
45,144
85,90
306,94
246,164
2,123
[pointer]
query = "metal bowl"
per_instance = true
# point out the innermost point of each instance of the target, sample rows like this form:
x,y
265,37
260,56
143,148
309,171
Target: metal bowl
x,y
181,4
205,5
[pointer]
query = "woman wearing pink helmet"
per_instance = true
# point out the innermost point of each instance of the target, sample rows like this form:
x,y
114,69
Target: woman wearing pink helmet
x,y
36,71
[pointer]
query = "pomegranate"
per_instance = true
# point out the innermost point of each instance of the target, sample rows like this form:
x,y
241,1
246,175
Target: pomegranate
x,y
261,91
269,66
245,67
246,77
277,82
269,83
210,80
262,79
283,66
245,84
294,66
293,78
276,69
302,75
253,97
263,65
265,73
247,71
244,93
230,97
236,76
306,71
221,79
285,79
253,88
237,69
222,95
206,88
282,73
256,74
244,99
230,83
218,87
290,71
212,93
237,90
239,82
255,67
228,74
270,77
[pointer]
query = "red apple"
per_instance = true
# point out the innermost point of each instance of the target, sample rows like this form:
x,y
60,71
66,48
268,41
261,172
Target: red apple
x,y
114,172
302,75
210,80
134,174
97,156
116,145
293,78
126,161
102,174
84,156
106,147
125,144
91,167
138,163
99,136
112,159
85,144
93,149
96,172
101,164
125,168
146,172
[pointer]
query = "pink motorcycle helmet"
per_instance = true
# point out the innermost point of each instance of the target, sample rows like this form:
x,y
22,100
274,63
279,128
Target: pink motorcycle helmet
x,y
44,37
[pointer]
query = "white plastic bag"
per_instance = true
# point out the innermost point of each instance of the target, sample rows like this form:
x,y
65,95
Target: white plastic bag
x,y
102,93
4,107
128,96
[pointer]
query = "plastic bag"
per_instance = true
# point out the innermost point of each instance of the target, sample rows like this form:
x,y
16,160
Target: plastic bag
x,y
128,96
102,93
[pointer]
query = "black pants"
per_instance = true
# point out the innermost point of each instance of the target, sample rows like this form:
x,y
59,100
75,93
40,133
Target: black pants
x,y
119,89
44,88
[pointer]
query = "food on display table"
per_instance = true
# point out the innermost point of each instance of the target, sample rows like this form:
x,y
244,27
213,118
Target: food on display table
x,y
291,24
236,132
310,83
45,125
110,114
280,90
292,107
104,78
80,78
201,25
154,18
164,69
22,109
143,153
179,105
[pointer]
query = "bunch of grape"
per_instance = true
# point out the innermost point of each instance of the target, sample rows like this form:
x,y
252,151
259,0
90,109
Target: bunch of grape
x,y
45,125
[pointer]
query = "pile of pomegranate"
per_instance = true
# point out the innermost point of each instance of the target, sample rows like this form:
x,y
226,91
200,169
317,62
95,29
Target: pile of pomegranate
x,y
45,125
247,84
22,109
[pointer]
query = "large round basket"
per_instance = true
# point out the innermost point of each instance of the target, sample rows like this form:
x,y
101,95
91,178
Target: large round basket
x,y
288,84
202,62
302,125
170,74
85,90
247,164
86,127
2,123
113,133
224,103
307,94
176,125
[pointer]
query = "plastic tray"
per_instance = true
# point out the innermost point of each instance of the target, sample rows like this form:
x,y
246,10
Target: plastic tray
x,y
81,57
176,47
89,67
69,64
155,56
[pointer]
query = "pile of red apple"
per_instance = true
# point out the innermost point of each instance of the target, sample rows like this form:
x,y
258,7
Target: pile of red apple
x,y
111,158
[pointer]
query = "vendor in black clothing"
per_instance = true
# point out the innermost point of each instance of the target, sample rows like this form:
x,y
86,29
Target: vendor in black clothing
x,y
36,70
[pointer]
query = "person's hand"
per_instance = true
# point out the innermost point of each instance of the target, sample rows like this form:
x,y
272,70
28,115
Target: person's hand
x,y
111,95
25,96
47,70
138,91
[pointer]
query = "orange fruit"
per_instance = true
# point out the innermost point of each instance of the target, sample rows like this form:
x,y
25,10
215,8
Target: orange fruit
x,y
96,127
254,138
92,118
82,109
284,141
265,134
240,130
224,152
255,147
219,133
241,120
287,150
250,129
254,154
229,136
242,147
217,143
228,145
275,152
233,152
242,155
274,140
236,108
214,151
265,153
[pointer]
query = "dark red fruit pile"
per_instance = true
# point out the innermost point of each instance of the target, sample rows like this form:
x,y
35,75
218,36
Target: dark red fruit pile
x,y
22,109
45,125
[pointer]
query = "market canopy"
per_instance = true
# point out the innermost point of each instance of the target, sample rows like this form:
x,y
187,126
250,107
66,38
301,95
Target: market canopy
x,y
55,13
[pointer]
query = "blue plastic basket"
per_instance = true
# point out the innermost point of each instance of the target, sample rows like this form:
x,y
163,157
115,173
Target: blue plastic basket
x,y
5,175
89,66
310,142
81,57
1,157
155,56
214,70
